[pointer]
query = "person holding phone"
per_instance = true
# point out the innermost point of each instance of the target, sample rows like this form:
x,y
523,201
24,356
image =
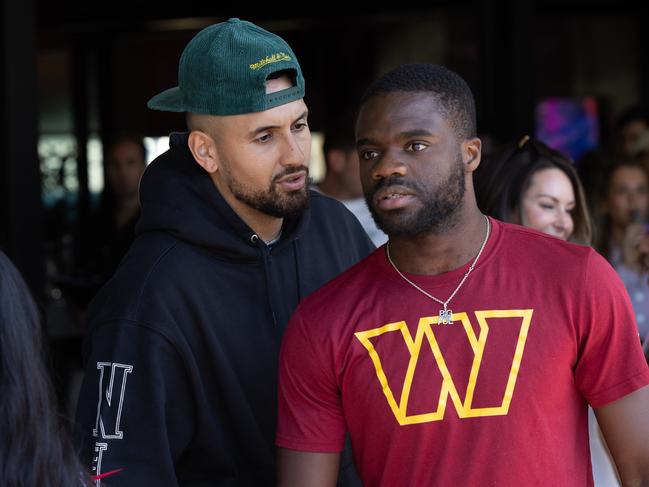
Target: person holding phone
x,y
623,233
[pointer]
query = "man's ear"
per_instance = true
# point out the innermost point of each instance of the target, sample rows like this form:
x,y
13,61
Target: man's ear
x,y
203,149
471,153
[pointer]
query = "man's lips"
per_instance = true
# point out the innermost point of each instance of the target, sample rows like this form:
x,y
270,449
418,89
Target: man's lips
x,y
393,197
293,181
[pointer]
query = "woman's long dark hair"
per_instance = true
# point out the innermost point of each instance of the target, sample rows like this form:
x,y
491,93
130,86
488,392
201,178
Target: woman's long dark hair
x,y
35,449
501,183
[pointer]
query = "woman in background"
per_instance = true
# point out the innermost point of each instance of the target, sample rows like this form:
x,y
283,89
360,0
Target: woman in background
x,y
532,185
34,448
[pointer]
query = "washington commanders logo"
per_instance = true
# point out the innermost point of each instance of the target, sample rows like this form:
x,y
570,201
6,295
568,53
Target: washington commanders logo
x,y
425,336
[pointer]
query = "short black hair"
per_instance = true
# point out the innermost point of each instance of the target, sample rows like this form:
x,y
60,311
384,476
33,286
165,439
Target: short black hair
x,y
451,91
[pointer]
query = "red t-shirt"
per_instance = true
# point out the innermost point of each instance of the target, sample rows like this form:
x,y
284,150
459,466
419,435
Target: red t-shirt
x,y
541,327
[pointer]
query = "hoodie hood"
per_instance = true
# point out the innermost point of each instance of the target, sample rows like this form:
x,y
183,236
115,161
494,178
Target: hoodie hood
x,y
178,197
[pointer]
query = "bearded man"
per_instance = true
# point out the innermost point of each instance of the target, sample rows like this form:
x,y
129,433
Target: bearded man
x,y
466,350
181,374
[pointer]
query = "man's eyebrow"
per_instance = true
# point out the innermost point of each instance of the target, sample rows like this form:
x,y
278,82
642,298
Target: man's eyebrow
x,y
402,135
254,132
416,133
305,114
365,141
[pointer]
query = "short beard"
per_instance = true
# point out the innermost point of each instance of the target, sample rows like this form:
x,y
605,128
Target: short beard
x,y
439,210
273,202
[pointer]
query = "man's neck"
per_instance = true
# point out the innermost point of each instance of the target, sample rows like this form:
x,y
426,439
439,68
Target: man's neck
x,y
265,226
435,253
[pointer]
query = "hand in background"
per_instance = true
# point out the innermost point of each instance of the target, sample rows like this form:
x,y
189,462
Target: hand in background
x,y
635,248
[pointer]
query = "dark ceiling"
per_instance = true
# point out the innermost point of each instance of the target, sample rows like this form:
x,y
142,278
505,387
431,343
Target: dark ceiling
x,y
77,15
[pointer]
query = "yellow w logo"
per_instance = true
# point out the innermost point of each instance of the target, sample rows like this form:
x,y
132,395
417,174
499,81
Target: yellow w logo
x,y
463,407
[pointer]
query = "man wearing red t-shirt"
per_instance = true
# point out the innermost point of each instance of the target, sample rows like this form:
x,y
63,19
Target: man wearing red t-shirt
x,y
466,350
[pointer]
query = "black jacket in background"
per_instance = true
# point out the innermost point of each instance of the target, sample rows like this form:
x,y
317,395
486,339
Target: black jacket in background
x,y
181,356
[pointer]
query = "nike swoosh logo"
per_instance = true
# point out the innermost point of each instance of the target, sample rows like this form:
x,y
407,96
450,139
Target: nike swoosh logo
x,y
105,474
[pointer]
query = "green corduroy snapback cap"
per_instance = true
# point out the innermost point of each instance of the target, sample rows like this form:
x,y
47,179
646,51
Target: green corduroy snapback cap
x,y
224,68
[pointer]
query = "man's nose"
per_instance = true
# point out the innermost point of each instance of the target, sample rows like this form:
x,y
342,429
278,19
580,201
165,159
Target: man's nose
x,y
293,152
389,164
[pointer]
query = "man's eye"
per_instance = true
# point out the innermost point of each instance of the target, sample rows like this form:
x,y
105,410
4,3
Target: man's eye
x,y
416,147
369,154
300,126
264,138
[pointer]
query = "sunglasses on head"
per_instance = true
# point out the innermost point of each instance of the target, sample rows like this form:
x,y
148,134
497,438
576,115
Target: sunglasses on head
x,y
529,144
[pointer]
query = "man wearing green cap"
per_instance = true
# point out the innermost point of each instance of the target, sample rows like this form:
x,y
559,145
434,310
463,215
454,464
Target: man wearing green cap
x,y
181,355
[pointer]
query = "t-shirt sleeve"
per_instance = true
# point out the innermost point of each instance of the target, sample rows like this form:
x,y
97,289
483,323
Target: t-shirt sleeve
x,y
610,361
310,415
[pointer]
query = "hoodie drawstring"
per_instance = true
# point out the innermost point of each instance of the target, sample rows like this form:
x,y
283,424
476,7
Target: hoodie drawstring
x,y
264,256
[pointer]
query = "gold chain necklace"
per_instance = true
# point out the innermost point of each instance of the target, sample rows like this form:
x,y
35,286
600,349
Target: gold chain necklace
x,y
445,315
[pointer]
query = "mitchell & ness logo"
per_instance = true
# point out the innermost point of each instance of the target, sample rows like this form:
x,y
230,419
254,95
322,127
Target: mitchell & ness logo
x,y
274,58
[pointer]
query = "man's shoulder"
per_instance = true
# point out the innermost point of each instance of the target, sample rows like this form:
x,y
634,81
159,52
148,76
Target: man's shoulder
x,y
348,288
538,245
330,215
155,265
322,202
151,252
535,254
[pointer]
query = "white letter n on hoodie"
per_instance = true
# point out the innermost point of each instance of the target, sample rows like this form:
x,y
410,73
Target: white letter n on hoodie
x,y
109,413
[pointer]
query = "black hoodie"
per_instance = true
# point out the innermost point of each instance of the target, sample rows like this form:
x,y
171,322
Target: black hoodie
x,y
181,356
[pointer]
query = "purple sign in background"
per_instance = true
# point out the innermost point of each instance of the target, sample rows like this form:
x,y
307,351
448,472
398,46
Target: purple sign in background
x,y
569,125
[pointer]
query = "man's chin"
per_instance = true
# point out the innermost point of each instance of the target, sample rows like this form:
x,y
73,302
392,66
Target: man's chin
x,y
395,222
298,201
292,204
405,223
